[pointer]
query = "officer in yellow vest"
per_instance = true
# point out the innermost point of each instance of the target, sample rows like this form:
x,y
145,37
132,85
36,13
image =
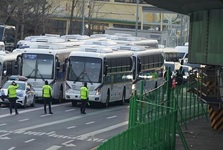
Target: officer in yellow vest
x,y
84,97
47,96
12,96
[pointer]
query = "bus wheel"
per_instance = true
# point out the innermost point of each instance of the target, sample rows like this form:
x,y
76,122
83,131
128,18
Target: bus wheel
x,y
61,94
123,98
60,97
107,100
74,104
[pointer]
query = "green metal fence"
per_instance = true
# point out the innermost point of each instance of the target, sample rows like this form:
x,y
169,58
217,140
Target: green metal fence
x,y
157,133
155,118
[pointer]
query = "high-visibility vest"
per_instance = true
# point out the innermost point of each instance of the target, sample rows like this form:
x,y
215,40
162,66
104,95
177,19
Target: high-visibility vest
x,y
46,91
12,90
84,93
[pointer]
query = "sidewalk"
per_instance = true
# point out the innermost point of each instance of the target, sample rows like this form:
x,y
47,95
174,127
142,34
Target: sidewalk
x,y
200,136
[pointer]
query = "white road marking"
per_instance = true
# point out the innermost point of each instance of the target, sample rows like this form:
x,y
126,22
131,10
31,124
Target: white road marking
x,y
4,134
54,147
45,115
69,119
69,110
33,109
104,130
30,140
68,144
11,148
111,117
3,124
52,132
4,138
90,122
4,108
71,127
24,120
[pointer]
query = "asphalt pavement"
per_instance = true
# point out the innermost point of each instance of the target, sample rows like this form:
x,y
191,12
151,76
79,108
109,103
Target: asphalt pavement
x,y
201,136
66,129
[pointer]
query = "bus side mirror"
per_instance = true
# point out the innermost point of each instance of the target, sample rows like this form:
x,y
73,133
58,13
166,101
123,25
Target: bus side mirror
x,y
105,70
18,59
57,65
139,67
181,61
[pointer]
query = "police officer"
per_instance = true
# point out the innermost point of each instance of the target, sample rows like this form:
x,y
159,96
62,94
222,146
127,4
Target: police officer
x,y
13,96
84,97
47,96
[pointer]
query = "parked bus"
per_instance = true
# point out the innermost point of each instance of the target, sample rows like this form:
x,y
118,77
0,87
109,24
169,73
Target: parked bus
x,y
44,62
105,72
148,43
7,66
7,35
148,65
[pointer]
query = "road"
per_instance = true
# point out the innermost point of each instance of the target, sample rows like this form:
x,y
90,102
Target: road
x,y
66,129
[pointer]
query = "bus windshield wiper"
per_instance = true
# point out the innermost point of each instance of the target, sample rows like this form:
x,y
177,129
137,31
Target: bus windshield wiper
x,y
39,74
34,70
82,73
31,73
88,77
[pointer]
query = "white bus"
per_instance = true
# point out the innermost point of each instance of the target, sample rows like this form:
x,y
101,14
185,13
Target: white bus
x,y
7,66
44,62
148,43
148,65
105,72
7,35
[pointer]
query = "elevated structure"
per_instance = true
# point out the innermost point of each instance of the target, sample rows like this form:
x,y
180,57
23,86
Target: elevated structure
x,y
186,6
205,48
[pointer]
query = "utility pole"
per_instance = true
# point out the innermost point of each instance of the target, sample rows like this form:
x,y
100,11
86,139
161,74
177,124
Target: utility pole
x,y
137,18
83,18
71,18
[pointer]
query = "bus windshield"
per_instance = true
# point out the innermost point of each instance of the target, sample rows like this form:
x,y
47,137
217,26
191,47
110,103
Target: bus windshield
x,y
181,55
171,57
85,69
38,66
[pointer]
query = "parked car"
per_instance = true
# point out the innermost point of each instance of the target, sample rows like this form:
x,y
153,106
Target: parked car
x,y
25,92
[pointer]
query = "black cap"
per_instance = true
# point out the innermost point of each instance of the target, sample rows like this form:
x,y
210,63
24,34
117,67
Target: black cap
x,y
46,82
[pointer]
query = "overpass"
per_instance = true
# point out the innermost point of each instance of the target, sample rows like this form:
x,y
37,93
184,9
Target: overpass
x,y
205,47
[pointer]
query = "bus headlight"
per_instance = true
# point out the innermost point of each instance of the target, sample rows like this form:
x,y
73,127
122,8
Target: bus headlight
x,y
98,91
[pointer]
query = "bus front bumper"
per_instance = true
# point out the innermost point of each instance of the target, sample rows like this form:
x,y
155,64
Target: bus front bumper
x,y
76,97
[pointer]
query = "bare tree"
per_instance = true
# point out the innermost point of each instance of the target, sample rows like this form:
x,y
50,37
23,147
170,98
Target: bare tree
x,y
93,9
29,16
